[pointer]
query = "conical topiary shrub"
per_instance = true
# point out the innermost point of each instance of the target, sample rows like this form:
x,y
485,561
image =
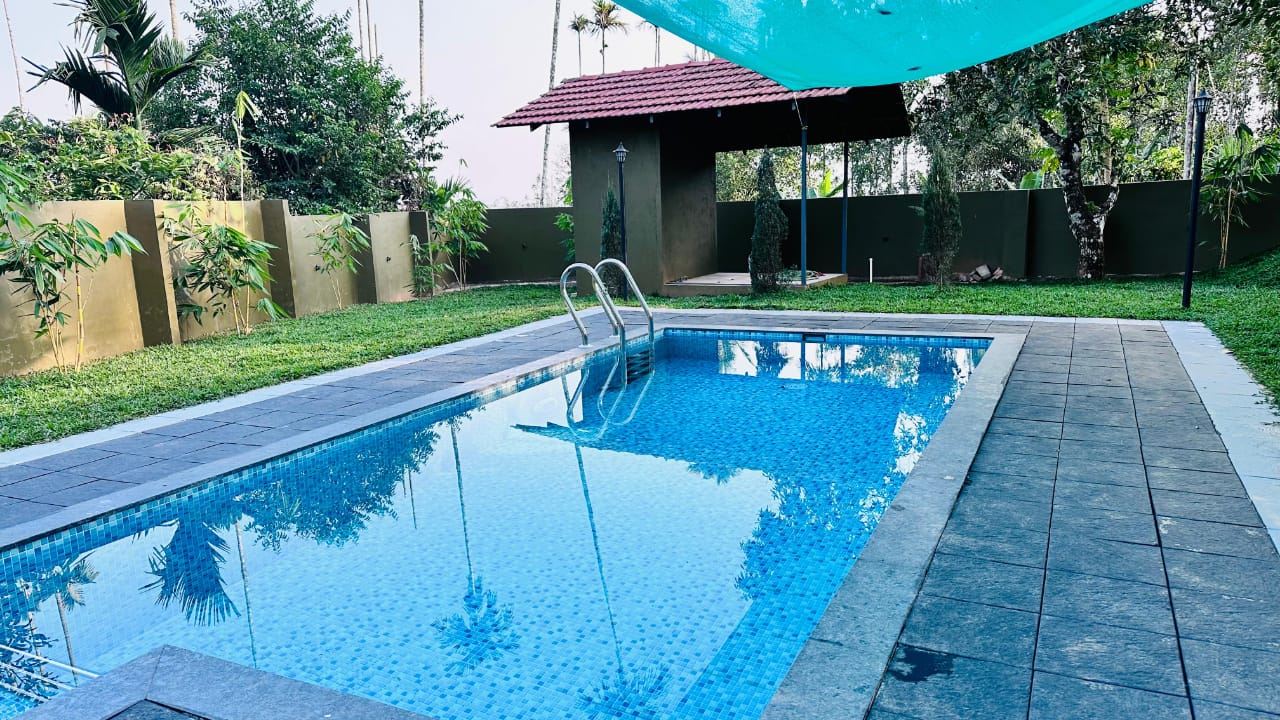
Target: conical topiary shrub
x,y
611,242
940,210
770,229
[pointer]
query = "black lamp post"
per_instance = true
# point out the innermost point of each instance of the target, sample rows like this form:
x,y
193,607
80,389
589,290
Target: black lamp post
x,y
1202,103
620,152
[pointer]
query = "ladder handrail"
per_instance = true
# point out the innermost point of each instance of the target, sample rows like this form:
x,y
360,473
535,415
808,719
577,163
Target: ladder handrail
x,y
610,311
631,281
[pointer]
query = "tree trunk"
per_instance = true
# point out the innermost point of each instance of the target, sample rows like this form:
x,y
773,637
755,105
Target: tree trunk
x,y
422,51
13,48
360,28
546,133
173,17
603,33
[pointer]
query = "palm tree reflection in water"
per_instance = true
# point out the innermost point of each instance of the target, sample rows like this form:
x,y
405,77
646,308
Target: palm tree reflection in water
x,y
619,694
483,630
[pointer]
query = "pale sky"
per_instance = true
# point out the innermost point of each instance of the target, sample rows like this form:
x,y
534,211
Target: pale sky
x,y
484,59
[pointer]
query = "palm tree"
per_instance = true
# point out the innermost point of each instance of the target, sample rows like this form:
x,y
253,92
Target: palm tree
x,y
618,695
483,630
173,17
605,19
13,48
360,27
580,24
65,583
138,60
657,43
189,569
422,50
546,133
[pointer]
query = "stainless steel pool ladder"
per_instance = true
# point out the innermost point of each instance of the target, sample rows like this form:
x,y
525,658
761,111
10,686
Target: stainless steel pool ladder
x,y
642,361
40,659
606,415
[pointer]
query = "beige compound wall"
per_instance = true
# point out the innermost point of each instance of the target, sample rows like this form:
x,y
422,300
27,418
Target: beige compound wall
x,y
112,324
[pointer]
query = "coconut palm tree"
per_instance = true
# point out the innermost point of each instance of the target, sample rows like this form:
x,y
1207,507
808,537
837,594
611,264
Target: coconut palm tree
x,y
66,583
580,24
422,50
604,20
619,694
483,630
138,61
13,48
657,43
546,133
173,17
189,570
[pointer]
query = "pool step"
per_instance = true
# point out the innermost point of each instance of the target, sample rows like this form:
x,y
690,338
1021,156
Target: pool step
x,y
639,363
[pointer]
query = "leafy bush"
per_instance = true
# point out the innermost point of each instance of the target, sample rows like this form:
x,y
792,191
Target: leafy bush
x,y
770,229
221,261
1233,179
611,242
49,260
337,243
336,131
90,159
940,208
564,223
458,221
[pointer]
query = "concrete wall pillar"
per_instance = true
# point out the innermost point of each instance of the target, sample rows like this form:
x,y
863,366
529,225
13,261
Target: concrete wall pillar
x,y
276,228
391,258
152,275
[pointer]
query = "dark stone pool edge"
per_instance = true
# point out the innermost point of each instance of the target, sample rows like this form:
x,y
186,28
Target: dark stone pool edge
x,y
209,688
838,670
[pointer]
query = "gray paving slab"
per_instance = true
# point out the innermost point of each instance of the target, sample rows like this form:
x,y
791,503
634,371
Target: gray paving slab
x,y
1106,558
925,684
1232,675
1228,618
983,581
1108,601
1055,697
1212,508
1216,537
974,630
1110,654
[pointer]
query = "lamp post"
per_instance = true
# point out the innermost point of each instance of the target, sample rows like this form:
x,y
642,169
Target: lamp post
x,y
620,152
1202,103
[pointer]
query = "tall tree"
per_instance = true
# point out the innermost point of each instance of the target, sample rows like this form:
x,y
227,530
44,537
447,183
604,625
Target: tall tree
x,y
139,60
17,74
360,29
338,135
604,20
940,210
580,24
546,133
173,17
422,50
771,228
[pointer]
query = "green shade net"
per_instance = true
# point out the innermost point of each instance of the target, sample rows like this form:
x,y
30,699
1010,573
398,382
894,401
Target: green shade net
x,y
835,43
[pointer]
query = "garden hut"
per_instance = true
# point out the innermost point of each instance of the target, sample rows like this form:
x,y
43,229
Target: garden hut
x,y
673,120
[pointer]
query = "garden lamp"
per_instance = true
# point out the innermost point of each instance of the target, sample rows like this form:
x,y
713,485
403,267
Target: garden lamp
x,y
1202,103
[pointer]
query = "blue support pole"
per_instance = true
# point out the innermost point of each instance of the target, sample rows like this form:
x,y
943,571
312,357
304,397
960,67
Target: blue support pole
x,y
844,215
804,206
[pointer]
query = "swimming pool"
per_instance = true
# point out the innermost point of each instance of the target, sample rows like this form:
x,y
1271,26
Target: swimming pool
x,y
659,551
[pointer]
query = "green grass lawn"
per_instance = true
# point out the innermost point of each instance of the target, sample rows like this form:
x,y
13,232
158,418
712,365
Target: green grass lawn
x,y
1241,305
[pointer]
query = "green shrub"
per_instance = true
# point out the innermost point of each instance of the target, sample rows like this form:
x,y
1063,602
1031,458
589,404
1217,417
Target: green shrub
x,y
770,229
940,209
611,241
89,159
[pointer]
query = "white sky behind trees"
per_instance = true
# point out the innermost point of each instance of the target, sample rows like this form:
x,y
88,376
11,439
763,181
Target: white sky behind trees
x,y
484,59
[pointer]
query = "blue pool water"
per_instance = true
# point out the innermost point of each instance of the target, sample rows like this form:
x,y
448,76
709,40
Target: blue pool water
x,y
661,551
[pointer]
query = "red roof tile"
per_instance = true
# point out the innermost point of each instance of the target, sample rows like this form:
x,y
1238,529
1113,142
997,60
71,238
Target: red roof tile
x,y
674,88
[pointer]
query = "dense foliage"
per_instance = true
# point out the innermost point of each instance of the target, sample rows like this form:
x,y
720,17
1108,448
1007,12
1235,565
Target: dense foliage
x,y
335,131
125,61
940,210
95,159
770,230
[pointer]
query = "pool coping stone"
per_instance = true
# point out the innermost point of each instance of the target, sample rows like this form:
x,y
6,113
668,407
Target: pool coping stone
x,y
210,688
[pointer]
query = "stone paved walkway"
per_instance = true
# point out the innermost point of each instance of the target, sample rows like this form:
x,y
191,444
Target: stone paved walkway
x,y
1103,559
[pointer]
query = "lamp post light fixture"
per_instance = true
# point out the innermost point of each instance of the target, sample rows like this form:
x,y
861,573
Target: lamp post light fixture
x,y
1202,104
620,152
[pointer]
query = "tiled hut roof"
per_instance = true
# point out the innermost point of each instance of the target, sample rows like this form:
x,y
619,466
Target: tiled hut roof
x,y
673,88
